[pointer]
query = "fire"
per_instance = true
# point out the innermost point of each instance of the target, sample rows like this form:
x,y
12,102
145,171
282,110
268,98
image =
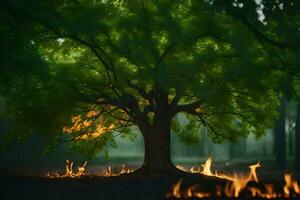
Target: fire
x,y
290,185
206,167
235,185
206,170
190,192
176,190
81,171
109,172
69,173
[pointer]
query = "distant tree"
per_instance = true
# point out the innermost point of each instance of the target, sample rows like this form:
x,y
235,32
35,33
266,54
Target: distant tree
x,y
275,24
104,67
280,137
297,140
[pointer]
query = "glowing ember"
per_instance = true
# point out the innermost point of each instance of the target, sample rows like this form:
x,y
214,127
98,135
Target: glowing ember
x,y
69,173
235,185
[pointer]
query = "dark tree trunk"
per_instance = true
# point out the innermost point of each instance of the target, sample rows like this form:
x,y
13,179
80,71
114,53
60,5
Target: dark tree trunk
x,y
279,139
157,158
297,138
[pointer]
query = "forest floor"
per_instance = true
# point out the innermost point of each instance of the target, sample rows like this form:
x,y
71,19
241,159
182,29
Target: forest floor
x,y
31,187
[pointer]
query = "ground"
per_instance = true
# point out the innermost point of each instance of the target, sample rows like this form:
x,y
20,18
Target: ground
x,y
23,187
144,188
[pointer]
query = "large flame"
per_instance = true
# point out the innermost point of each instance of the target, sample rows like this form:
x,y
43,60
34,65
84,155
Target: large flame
x,y
235,185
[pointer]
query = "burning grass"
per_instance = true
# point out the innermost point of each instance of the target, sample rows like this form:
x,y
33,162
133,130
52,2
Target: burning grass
x,y
81,171
235,185
238,185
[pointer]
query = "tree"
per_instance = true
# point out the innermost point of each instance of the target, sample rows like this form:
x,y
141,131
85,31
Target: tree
x,y
280,137
279,36
297,136
109,66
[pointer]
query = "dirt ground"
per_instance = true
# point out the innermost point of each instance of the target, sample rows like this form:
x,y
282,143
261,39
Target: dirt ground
x,y
24,187
32,187
102,188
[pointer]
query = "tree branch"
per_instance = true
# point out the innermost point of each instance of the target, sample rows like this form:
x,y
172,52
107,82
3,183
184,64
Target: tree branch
x,y
188,108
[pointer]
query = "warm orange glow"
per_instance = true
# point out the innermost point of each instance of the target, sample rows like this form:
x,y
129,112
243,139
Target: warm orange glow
x,y
207,167
176,190
290,185
81,171
235,185
100,130
69,173
92,113
91,125
109,171
239,182
206,170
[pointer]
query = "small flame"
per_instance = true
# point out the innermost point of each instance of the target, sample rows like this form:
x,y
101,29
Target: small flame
x,y
206,167
109,172
69,171
290,185
176,190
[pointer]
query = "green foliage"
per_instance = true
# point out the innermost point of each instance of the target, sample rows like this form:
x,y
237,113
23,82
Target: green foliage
x,y
68,57
188,133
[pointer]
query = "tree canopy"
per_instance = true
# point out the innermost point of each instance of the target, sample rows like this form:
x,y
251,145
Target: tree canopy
x,y
85,71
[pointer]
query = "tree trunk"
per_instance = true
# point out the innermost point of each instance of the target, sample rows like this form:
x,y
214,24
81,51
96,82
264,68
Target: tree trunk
x,y
297,138
279,139
157,158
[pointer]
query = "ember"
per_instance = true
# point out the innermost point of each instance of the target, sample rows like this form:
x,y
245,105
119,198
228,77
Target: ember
x,y
235,186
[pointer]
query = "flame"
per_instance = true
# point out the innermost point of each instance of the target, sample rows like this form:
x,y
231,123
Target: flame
x,y
69,171
235,185
239,182
192,192
206,170
109,172
206,167
176,190
290,185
